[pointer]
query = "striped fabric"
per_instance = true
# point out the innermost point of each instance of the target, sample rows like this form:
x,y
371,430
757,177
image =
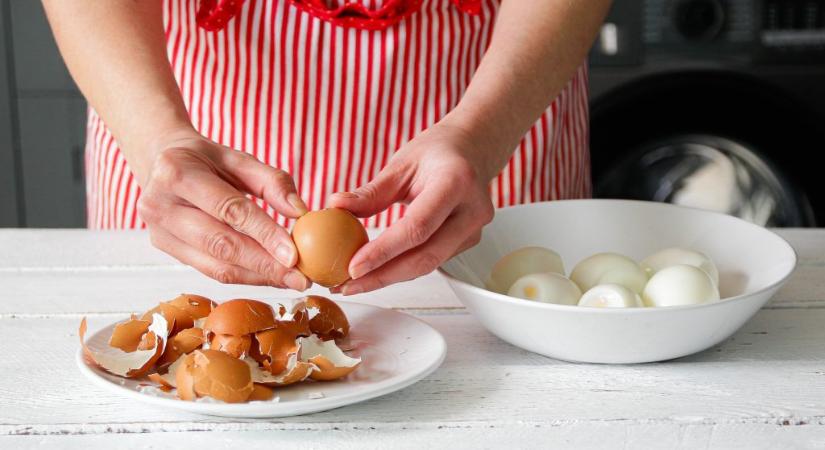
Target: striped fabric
x,y
330,104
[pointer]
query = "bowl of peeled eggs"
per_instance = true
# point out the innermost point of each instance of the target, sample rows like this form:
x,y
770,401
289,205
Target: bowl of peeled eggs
x,y
618,281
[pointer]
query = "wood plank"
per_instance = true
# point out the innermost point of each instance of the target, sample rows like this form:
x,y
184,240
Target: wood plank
x,y
596,435
769,373
61,249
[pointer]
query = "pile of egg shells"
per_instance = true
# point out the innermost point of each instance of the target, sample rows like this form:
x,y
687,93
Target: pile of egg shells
x,y
670,277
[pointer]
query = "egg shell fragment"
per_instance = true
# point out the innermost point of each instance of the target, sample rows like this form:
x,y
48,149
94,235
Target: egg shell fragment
x,y
128,335
521,262
235,346
196,306
295,371
326,241
676,255
610,296
176,318
331,362
128,364
326,318
680,285
609,268
180,344
212,373
546,288
240,317
276,345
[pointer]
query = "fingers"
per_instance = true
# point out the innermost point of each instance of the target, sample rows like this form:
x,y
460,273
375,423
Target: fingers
x,y
222,201
202,232
207,265
423,217
373,197
272,185
421,260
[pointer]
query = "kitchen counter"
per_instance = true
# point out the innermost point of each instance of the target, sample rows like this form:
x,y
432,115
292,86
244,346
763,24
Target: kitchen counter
x,y
762,388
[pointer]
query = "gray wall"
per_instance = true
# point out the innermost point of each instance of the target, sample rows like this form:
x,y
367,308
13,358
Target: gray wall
x,y
42,125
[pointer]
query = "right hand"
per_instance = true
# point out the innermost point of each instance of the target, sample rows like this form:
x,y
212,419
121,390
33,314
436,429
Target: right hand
x,y
195,205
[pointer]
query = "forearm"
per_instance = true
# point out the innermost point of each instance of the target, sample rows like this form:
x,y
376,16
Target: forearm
x,y
536,47
116,53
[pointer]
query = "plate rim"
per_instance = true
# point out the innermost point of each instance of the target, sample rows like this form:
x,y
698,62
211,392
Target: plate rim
x,y
274,409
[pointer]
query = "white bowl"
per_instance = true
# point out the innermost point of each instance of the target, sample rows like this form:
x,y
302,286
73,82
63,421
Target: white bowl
x,y
753,264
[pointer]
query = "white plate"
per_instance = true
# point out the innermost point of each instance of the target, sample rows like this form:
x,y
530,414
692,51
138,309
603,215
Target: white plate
x,y
397,350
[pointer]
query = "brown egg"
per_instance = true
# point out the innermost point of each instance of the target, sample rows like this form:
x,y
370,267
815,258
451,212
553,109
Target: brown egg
x,y
214,374
239,317
326,318
326,241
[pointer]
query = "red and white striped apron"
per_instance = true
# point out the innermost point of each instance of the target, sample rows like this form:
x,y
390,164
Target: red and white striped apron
x,y
329,94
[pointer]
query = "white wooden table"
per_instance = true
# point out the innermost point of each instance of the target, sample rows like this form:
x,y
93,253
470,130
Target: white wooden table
x,y
763,388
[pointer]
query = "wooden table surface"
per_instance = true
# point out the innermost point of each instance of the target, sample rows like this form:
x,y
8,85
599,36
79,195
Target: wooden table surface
x,y
763,388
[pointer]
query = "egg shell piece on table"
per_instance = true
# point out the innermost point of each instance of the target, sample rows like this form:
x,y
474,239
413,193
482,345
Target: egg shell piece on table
x,y
676,255
609,268
521,262
680,285
326,241
546,288
128,364
331,362
610,296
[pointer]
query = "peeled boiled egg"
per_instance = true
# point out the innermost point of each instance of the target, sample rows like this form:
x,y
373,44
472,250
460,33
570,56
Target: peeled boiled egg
x,y
680,285
521,262
675,255
609,268
326,241
547,288
610,296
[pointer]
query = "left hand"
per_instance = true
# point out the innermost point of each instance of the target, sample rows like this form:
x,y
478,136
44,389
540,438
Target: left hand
x,y
441,175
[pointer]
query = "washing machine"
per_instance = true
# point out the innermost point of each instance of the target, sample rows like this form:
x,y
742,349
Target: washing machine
x,y
714,104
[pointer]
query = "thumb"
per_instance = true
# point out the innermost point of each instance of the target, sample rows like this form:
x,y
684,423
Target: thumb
x,y
371,198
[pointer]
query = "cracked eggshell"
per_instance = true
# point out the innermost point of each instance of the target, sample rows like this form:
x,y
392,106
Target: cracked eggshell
x,y
239,317
182,343
131,364
609,268
326,318
212,373
177,319
610,296
326,241
276,345
235,346
331,362
521,262
676,255
680,285
196,305
546,288
261,393
127,335
294,372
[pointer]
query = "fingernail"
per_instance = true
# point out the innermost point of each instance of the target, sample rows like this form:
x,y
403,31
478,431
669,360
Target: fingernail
x,y
296,280
352,289
285,255
297,203
347,194
335,289
359,271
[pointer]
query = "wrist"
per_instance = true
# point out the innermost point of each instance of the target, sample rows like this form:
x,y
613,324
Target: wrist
x,y
141,153
488,148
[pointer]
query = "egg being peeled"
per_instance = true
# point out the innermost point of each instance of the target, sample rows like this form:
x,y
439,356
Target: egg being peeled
x,y
521,262
675,255
680,285
610,296
326,241
547,288
609,268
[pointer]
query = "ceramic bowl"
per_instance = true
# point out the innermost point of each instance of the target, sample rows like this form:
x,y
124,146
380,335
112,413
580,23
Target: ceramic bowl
x,y
753,263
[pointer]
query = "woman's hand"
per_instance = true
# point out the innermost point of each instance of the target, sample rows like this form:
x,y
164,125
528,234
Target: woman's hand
x,y
443,177
195,205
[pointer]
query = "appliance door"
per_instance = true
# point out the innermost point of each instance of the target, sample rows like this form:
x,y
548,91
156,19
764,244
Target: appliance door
x,y
718,141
